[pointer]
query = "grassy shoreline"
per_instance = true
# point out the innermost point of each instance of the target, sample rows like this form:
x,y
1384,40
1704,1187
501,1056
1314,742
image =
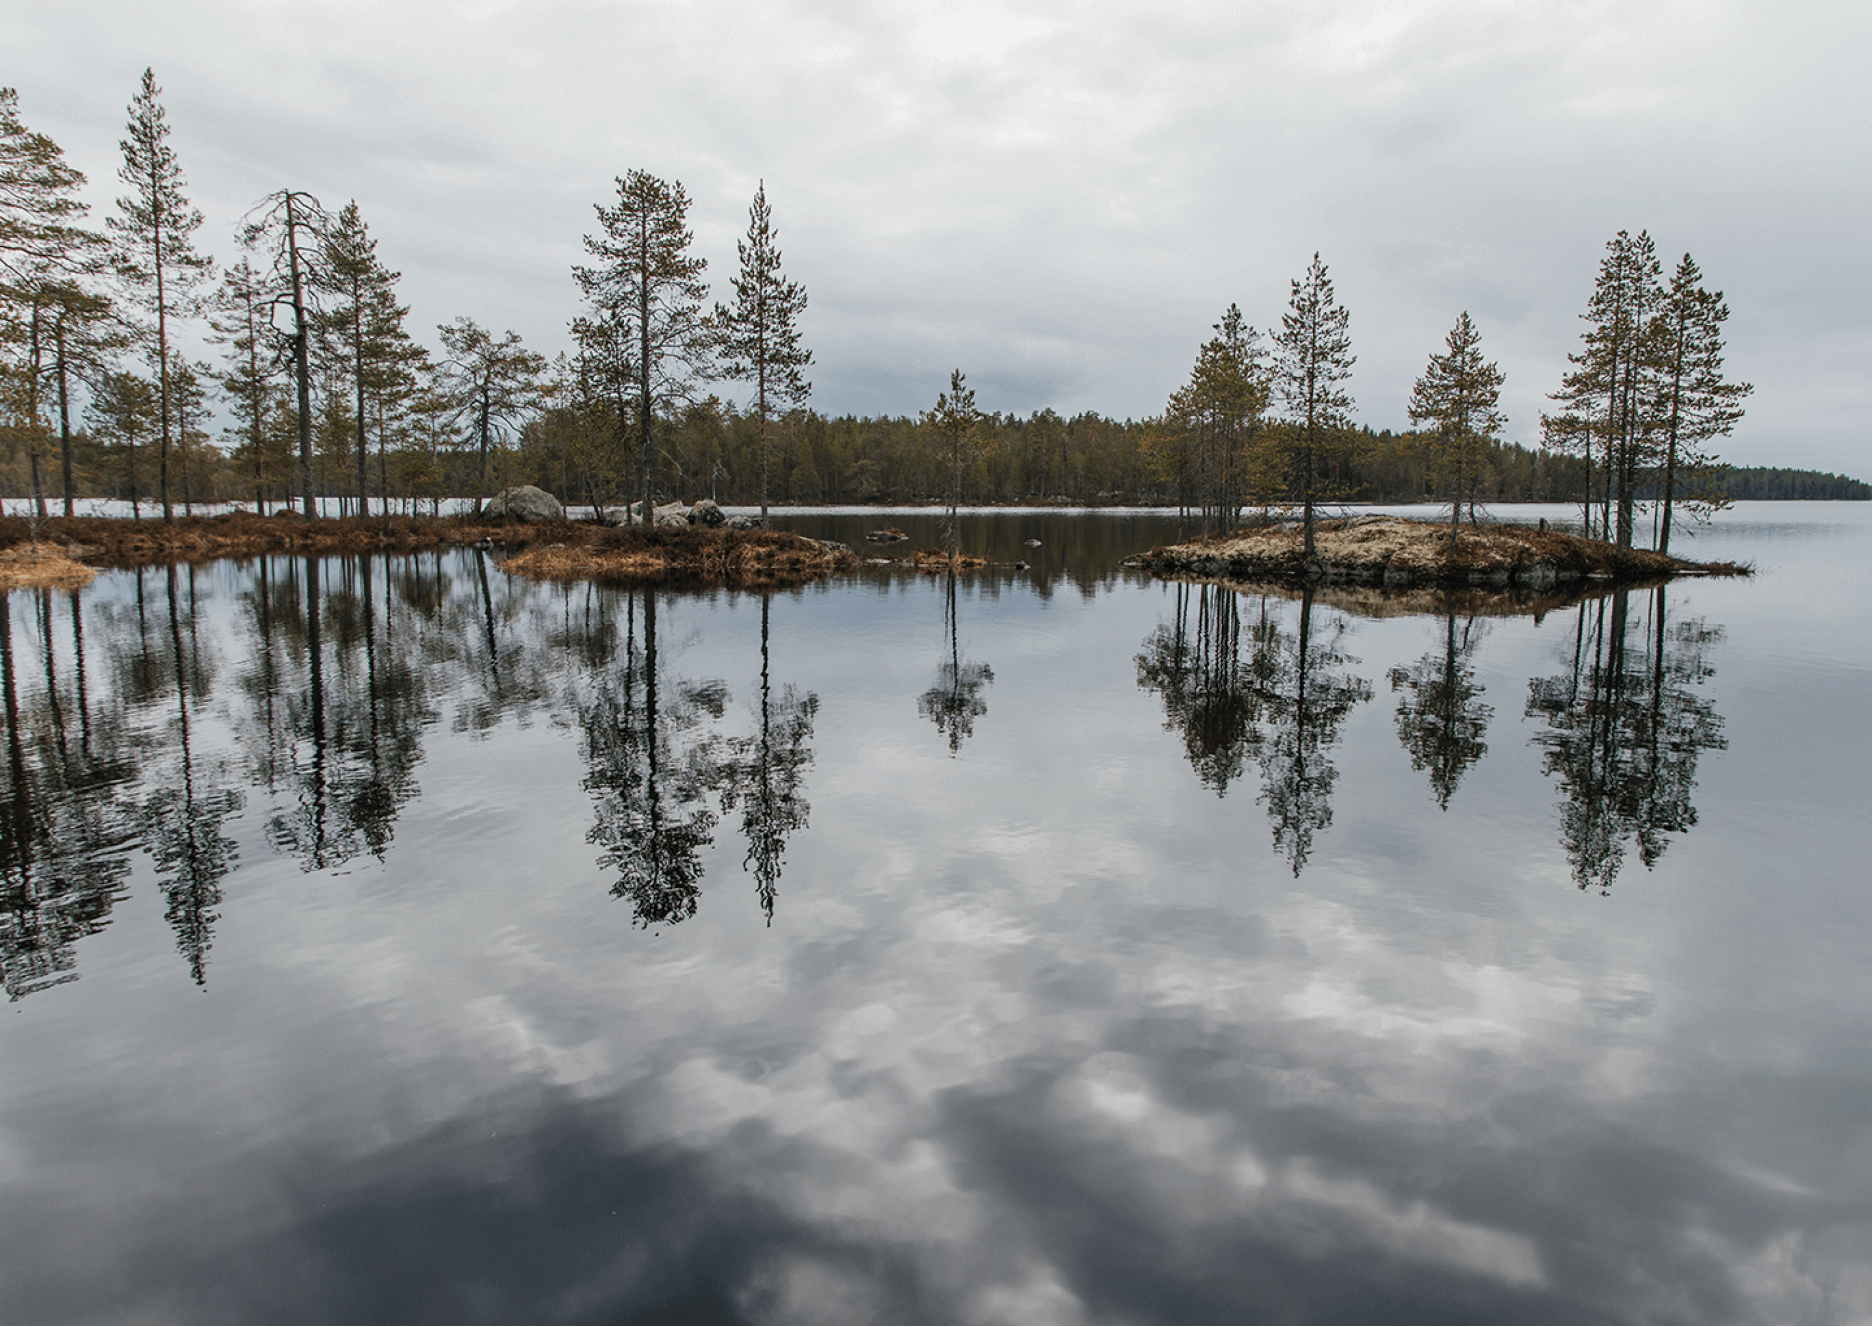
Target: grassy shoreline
x,y
551,550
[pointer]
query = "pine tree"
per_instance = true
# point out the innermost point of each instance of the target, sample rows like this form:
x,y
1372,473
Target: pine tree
x,y
155,253
493,383
1218,414
288,226
363,321
44,253
1458,396
1693,403
85,338
955,420
239,321
1313,356
647,294
759,335
1604,396
123,413
39,205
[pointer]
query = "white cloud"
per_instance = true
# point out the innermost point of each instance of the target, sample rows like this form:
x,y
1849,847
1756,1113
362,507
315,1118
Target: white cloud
x,y
1058,199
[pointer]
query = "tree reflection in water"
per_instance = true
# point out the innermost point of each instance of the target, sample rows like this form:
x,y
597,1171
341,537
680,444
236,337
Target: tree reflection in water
x,y
1625,729
1441,717
182,818
1280,701
346,740
64,830
767,776
650,770
955,702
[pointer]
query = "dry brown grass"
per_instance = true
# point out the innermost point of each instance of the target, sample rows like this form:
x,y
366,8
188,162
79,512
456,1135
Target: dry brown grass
x,y
43,568
929,559
113,542
562,550
748,559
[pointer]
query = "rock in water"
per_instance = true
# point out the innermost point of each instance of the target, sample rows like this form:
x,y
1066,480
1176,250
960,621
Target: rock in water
x,y
525,504
744,523
705,512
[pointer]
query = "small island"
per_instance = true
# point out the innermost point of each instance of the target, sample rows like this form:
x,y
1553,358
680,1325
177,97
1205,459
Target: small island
x,y
1398,553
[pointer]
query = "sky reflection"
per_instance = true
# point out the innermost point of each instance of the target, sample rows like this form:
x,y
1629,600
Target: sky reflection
x,y
1043,1027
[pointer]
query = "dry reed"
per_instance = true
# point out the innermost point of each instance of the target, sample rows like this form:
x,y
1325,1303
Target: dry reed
x,y
45,567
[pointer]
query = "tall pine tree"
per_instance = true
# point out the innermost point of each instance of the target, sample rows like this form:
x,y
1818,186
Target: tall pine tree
x,y
288,226
1457,397
155,253
491,383
1313,357
1693,403
646,293
760,336
364,324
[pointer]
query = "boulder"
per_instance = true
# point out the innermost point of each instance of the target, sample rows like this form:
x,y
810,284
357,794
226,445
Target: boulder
x,y
526,504
705,512
745,523
615,516
671,518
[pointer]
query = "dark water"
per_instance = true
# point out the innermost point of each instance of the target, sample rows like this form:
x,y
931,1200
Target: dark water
x,y
393,940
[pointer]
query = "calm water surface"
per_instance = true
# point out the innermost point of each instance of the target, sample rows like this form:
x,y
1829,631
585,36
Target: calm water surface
x,y
388,939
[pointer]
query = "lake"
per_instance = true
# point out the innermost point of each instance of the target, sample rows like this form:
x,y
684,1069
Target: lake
x,y
389,939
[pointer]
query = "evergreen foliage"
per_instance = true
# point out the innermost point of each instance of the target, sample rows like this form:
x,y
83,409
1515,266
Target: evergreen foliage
x,y
646,297
495,384
1458,397
155,249
759,336
1313,357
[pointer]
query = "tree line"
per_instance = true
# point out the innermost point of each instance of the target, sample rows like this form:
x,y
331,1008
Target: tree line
x,y
324,392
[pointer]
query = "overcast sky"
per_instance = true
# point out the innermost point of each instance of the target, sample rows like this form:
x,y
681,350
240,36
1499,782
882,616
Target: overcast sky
x,y
1059,200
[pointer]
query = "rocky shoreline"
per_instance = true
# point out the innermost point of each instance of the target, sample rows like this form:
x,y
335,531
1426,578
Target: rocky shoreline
x,y
1396,553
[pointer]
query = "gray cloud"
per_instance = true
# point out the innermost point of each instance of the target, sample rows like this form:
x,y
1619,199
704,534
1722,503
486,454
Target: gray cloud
x,y
1059,199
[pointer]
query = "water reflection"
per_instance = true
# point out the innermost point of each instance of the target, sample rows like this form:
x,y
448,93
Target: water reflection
x,y
64,850
337,739
1279,700
182,819
650,769
955,702
1625,728
1441,716
767,775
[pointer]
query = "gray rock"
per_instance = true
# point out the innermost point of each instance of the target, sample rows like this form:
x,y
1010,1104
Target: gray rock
x,y
525,504
745,523
705,512
672,518
615,516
